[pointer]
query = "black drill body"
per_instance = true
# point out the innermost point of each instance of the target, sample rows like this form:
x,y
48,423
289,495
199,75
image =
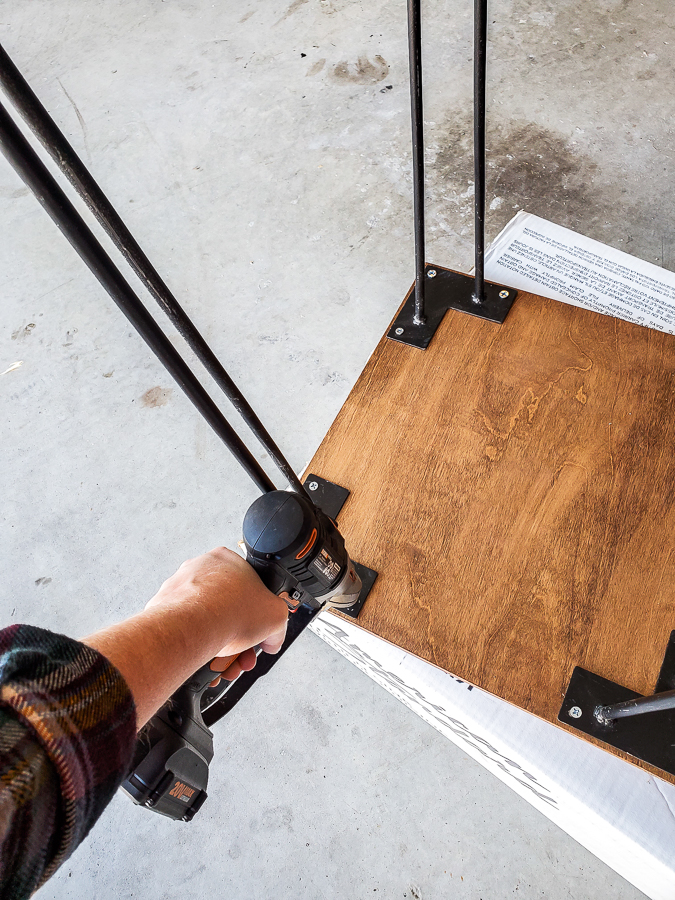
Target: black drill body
x,y
298,553
297,550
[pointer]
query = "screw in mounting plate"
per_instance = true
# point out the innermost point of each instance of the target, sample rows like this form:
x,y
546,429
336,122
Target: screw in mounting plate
x,y
431,273
313,485
503,294
575,712
399,331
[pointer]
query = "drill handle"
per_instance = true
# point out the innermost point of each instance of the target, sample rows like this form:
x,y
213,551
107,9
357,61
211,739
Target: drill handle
x,y
188,697
223,702
195,695
203,677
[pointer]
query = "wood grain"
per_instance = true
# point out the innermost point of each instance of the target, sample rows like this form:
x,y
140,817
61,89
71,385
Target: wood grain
x,y
513,485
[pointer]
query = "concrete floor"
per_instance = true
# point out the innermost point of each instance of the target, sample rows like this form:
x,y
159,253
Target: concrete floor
x,y
260,152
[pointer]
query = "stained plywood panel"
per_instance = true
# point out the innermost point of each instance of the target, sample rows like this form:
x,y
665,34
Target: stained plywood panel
x,y
513,485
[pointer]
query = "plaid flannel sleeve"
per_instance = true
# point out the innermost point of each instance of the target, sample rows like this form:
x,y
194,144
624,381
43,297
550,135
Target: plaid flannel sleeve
x,y
67,735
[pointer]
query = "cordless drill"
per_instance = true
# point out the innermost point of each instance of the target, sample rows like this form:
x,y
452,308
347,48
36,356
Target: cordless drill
x,y
300,555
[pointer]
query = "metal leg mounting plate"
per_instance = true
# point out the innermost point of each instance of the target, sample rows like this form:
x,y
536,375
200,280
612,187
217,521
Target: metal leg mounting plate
x,y
444,290
331,498
650,736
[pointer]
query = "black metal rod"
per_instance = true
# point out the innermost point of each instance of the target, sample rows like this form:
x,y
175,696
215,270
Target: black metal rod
x,y
28,165
638,707
417,121
54,141
480,14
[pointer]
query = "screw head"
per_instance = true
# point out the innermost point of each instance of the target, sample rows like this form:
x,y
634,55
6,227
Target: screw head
x,y
575,712
313,485
398,331
503,294
431,273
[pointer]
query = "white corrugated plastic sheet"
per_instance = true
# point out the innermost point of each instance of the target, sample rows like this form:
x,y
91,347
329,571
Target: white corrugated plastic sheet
x,y
620,813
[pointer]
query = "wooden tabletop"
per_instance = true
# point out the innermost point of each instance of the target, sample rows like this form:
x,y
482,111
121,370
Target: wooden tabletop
x,y
513,486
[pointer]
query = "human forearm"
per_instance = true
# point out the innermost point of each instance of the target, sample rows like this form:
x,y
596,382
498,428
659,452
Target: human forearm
x,y
214,606
156,651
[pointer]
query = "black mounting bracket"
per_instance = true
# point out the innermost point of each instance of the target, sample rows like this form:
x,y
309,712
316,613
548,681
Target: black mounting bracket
x,y
327,496
444,290
331,498
648,735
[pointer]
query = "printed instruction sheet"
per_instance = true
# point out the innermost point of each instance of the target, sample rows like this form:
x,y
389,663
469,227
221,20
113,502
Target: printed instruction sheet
x,y
534,255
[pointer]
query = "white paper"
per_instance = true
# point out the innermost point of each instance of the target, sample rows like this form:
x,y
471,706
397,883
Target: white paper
x,y
534,255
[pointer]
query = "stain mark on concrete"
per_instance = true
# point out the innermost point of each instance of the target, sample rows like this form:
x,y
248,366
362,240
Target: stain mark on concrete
x,y
293,8
529,166
316,67
246,17
339,296
331,7
275,817
156,396
22,333
363,71
314,718
108,374
165,504
44,581
326,377
539,170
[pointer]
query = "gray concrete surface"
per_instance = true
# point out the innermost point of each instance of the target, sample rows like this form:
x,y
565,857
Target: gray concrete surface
x,y
260,152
